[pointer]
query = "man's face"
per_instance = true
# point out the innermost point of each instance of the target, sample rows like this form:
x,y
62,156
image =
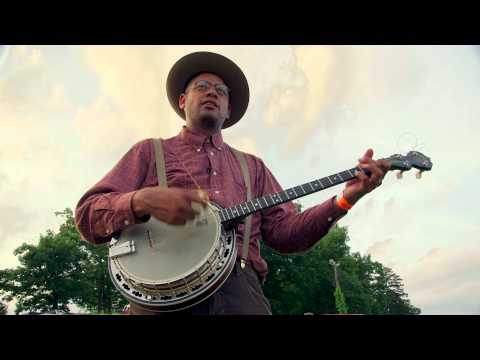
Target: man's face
x,y
206,102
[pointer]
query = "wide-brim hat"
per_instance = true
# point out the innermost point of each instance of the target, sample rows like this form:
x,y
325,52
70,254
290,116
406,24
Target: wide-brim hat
x,y
207,62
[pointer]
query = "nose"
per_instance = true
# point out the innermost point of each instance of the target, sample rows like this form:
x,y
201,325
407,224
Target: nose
x,y
212,92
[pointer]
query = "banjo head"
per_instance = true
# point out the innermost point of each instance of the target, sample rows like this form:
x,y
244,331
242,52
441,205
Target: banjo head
x,y
165,253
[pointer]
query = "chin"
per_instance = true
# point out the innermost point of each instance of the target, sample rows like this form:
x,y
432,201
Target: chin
x,y
208,121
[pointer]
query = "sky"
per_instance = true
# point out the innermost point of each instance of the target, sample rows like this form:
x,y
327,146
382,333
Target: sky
x,y
68,113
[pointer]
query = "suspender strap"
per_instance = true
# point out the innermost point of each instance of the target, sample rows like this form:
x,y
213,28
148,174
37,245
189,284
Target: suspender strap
x,y
160,160
248,220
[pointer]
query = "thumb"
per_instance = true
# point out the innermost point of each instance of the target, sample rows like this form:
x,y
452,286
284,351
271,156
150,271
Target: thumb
x,y
198,196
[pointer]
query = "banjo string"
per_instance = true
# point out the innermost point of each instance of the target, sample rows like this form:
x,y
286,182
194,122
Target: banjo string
x,y
202,192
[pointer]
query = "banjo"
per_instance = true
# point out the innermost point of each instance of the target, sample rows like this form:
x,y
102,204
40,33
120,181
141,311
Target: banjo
x,y
164,268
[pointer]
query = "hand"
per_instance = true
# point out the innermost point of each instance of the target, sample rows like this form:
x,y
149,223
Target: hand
x,y
171,205
362,185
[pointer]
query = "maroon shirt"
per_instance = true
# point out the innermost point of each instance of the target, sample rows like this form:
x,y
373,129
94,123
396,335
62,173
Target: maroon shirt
x,y
107,207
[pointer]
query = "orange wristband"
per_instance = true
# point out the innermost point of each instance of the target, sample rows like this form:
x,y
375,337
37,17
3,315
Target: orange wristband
x,y
343,203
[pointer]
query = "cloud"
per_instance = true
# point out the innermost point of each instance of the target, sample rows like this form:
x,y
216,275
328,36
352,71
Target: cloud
x,y
380,248
309,92
446,280
133,104
37,166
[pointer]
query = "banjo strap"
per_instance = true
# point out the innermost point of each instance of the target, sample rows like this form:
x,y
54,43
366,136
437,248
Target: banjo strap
x,y
248,220
162,181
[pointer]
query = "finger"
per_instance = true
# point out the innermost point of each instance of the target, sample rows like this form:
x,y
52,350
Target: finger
x,y
368,155
199,196
361,176
376,173
384,165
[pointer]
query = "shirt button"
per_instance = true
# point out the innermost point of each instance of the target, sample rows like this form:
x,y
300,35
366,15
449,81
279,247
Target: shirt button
x,y
329,218
126,222
214,173
211,152
217,192
198,150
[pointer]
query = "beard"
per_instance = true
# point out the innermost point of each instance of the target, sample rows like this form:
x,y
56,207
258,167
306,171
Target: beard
x,y
208,121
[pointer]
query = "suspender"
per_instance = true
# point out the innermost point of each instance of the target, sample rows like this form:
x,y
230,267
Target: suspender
x,y
162,181
248,220
160,160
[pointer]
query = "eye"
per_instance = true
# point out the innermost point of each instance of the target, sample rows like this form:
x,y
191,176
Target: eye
x,y
222,90
202,85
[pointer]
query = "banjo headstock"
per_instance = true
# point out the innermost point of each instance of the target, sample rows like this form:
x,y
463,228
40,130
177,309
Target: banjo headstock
x,y
413,159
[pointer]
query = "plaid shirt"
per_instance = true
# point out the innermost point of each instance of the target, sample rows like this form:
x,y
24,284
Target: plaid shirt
x,y
107,207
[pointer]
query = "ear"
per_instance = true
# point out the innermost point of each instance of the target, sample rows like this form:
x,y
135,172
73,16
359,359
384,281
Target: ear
x,y
229,111
181,101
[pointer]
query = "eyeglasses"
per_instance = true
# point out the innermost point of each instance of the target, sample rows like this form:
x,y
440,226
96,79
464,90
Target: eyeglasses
x,y
204,85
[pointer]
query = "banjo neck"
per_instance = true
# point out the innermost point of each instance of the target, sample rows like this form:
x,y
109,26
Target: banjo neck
x,y
399,162
241,210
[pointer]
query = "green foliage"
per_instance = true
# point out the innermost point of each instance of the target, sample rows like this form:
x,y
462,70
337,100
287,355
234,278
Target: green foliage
x,y
3,309
61,269
302,283
340,303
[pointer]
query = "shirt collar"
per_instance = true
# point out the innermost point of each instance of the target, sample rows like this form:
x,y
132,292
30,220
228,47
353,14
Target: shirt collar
x,y
199,140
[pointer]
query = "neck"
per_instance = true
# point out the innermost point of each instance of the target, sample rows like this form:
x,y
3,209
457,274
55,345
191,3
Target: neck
x,y
206,128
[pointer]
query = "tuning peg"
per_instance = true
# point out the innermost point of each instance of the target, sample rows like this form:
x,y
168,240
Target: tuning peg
x,y
419,174
399,174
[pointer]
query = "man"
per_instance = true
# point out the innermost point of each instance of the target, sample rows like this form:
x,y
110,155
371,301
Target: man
x,y
211,93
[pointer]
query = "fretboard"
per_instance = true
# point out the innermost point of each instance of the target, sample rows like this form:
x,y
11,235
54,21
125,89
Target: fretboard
x,y
244,209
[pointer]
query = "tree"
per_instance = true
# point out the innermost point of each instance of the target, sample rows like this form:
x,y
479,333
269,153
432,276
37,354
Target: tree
x,y
340,303
60,270
49,277
301,283
3,309
98,292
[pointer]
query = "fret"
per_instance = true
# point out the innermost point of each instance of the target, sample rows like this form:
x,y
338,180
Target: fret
x,y
298,187
293,189
350,172
329,180
239,209
272,198
245,208
285,198
222,215
340,176
303,189
252,205
311,186
265,200
257,203
231,213
345,175
317,184
324,186
286,195
234,211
